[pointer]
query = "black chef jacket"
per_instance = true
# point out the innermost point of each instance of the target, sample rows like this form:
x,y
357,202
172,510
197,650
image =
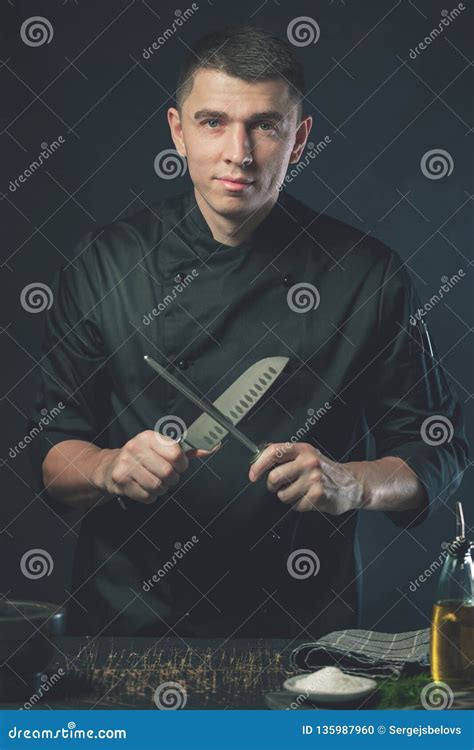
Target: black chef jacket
x,y
354,358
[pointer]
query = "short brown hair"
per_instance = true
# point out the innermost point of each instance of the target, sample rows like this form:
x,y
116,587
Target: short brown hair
x,y
245,52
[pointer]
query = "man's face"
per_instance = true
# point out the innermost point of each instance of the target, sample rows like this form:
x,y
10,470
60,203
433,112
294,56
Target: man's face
x,y
226,123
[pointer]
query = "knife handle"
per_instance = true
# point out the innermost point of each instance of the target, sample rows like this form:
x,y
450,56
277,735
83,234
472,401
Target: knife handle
x,y
260,449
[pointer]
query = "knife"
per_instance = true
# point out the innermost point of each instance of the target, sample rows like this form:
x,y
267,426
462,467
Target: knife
x,y
234,403
208,408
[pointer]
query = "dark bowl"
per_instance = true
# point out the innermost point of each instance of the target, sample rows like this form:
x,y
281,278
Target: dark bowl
x,y
27,645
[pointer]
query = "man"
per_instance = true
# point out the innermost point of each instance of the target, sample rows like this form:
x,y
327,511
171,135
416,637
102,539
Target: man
x,y
247,272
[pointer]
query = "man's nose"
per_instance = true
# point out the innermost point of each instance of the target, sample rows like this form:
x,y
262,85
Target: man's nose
x,y
238,146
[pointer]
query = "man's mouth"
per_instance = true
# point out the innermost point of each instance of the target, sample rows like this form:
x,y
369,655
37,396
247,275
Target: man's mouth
x,y
235,183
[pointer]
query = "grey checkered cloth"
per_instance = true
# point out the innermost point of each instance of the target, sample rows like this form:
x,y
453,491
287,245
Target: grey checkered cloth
x,y
366,652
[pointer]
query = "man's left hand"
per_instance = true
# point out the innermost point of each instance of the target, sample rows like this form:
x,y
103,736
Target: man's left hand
x,y
309,480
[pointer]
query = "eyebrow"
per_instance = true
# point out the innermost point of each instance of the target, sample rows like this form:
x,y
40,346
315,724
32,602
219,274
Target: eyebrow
x,y
267,115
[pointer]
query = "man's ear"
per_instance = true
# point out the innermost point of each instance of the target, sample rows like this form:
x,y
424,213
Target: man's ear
x,y
302,133
176,130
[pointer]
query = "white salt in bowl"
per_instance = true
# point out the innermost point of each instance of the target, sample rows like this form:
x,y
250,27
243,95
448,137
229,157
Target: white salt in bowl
x,y
330,685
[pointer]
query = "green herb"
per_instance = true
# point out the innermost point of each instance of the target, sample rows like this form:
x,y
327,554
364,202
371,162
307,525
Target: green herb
x,y
403,692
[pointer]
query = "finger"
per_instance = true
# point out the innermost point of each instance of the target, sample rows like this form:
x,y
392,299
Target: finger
x,y
294,491
310,502
275,453
171,450
319,502
138,494
149,481
282,475
304,505
160,468
138,487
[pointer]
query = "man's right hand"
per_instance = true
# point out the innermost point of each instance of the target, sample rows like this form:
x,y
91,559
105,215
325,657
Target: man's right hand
x,y
145,467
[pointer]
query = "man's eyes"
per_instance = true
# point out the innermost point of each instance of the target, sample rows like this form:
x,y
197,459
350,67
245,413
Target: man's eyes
x,y
207,122
214,121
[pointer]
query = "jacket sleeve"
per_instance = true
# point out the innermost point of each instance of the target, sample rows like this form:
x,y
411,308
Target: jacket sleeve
x,y
412,411
71,401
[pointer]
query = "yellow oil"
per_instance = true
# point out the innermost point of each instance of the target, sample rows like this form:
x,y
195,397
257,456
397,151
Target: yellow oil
x,y
452,644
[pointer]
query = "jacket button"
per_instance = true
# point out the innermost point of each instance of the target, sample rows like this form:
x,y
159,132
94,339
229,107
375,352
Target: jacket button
x,y
183,364
179,277
288,281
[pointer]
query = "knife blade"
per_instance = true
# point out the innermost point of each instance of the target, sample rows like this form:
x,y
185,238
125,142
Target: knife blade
x,y
235,403
206,406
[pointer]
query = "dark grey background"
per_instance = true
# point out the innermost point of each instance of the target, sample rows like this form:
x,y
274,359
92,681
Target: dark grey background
x,y
382,110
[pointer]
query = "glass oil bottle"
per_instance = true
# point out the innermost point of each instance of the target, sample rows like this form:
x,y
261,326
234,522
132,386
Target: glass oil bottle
x,y
452,626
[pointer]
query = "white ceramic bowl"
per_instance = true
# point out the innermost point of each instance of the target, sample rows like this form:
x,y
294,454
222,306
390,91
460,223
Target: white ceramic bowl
x,y
331,697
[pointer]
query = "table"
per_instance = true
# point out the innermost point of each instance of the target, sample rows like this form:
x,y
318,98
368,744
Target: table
x,y
132,673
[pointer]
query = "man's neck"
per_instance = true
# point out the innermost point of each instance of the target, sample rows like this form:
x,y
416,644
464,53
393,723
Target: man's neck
x,y
228,231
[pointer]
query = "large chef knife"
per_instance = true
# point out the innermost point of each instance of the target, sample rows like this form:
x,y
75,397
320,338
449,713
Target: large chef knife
x,y
233,404
225,423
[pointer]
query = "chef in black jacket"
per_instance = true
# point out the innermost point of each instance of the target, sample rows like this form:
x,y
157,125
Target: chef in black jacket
x,y
208,282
